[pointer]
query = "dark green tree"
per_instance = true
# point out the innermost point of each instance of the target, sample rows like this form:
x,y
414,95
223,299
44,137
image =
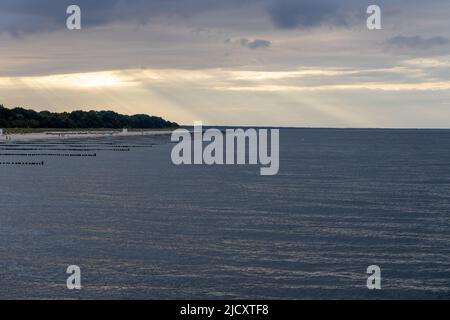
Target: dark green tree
x,y
24,118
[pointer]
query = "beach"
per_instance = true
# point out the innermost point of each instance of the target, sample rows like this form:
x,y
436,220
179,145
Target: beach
x,y
61,135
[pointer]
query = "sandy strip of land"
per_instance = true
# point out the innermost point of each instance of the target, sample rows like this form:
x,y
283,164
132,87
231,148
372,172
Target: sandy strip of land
x,y
77,135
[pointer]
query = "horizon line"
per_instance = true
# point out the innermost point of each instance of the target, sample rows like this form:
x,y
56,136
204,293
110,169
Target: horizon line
x,y
318,128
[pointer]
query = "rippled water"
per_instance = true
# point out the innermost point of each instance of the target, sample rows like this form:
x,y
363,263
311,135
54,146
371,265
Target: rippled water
x,y
142,228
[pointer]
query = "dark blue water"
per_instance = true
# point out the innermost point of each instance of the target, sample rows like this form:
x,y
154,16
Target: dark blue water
x,y
142,228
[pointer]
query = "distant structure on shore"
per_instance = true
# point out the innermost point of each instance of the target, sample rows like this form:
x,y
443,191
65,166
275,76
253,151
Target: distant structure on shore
x,y
3,136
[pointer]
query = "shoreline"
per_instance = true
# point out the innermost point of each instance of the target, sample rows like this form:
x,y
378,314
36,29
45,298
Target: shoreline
x,y
61,135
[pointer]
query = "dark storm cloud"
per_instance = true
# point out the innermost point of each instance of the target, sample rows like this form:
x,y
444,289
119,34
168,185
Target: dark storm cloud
x,y
417,42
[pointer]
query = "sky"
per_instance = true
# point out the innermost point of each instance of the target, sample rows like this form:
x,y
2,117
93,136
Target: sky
x,y
296,63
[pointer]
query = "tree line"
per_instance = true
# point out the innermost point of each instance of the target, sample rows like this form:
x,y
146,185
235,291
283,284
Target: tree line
x,y
25,118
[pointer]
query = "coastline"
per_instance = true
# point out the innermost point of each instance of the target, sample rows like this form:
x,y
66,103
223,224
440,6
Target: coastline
x,y
61,135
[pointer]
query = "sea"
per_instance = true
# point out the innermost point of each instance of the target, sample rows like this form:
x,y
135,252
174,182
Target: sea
x,y
140,227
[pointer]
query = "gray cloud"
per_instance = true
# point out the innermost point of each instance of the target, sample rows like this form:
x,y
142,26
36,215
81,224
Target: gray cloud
x,y
21,17
290,14
255,44
417,42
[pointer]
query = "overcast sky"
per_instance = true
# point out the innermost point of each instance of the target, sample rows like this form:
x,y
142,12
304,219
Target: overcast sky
x,y
233,62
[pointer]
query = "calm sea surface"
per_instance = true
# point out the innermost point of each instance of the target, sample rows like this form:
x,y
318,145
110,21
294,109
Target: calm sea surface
x,y
142,228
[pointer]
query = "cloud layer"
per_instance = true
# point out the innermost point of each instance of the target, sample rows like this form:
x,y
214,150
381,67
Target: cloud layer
x,y
21,17
418,42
